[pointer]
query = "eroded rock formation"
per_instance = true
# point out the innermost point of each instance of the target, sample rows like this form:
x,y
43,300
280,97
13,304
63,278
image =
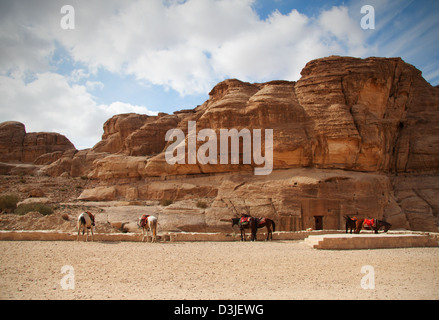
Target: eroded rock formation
x,y
38,148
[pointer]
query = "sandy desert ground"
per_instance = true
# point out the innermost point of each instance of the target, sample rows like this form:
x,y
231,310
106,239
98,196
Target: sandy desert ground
x,y
212,270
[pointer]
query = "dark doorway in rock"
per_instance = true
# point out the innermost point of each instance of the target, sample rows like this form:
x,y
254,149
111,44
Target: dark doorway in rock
x,y
318,222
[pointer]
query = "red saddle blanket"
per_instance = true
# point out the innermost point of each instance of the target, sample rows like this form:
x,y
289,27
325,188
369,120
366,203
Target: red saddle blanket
x,y
144,220
369,222
245,220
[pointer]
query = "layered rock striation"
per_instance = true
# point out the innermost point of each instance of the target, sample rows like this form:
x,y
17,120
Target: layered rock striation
x,y
373,115
19,149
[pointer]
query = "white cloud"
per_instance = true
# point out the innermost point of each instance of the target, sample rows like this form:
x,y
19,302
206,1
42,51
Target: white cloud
x,y
189,46
270,50
78,74
121,107
279,47
337,23
23,47
93,85
50,103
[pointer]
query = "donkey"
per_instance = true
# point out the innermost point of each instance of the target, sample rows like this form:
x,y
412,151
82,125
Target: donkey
x,y
86,221
350,223
265,222
245,222
252,223
148,222
372,224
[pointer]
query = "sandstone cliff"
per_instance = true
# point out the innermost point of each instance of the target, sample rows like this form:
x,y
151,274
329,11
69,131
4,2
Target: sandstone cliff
x,y
38,148
374,115
352,136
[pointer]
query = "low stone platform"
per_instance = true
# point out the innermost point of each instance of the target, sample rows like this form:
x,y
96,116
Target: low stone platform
x,y
324,239
372,241
48,235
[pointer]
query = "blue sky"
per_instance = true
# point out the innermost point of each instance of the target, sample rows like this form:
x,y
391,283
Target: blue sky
x,y
154,56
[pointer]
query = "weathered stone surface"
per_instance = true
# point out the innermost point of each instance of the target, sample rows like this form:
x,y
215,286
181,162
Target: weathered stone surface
x,y
11,141
35,147
99,194
375,115
116,131
386,103
292,198
371,114
371,241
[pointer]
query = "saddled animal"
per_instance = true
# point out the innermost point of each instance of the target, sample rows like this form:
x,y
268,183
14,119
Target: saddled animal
x,y
372,224
148,223
243,223
350,224
86,220
252,223
264,222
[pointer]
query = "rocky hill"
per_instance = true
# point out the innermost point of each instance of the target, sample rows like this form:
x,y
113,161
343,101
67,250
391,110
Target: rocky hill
x,y
16,145
352,136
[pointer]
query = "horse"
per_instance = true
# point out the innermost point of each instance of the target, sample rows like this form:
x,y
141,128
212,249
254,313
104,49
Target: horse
x,y
148,223
247,223
265,222
350,224
373,224
86,221
243,223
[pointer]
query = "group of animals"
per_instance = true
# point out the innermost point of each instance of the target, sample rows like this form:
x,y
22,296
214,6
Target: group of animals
x,y
373,224
248,222
86,222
